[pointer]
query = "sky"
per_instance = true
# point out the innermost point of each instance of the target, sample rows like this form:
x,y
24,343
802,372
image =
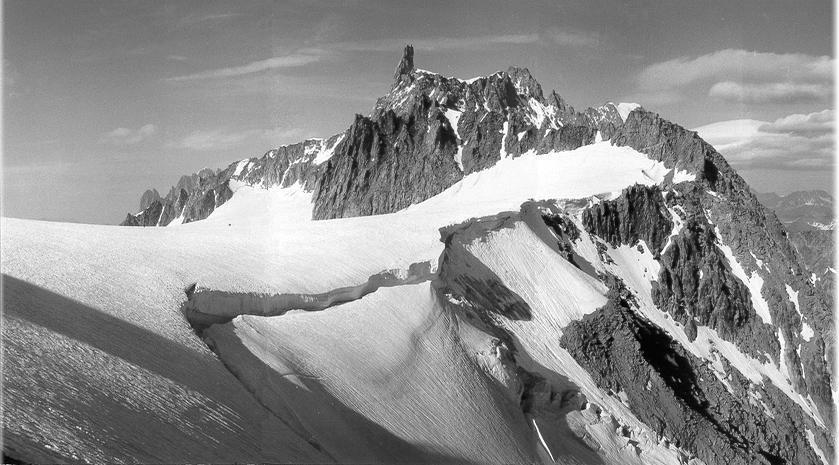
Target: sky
x,y
105,99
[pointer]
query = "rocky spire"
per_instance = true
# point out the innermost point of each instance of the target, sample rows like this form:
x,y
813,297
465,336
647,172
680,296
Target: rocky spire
x,y
406,65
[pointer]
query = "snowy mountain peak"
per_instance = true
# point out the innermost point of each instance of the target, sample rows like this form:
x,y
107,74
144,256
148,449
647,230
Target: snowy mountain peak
x,y
457,126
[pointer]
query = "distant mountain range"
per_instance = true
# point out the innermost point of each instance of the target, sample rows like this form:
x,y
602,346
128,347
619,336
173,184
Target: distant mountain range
x,y
802,210
809,219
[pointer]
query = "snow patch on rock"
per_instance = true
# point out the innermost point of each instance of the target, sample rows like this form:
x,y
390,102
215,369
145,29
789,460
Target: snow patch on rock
x,y
683,176
806,330
624,109
240,166
504,130
708,343
326,152
811,438
454,118
754,282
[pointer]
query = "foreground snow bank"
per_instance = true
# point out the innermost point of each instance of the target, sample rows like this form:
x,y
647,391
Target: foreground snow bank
x,y
391,359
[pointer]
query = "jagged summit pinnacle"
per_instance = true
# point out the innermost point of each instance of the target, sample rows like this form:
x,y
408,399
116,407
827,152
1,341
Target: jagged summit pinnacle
x,y
406,64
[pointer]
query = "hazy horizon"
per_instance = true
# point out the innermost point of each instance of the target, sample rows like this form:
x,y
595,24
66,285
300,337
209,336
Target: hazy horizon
x,y
103,100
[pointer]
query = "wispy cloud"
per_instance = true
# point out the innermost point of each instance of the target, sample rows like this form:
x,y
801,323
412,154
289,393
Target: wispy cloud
x,y
213,140
746,76
312,54
572,37
810,125
795,142
196,19
432,44
554,36
280,62
773,92
218,139
126,136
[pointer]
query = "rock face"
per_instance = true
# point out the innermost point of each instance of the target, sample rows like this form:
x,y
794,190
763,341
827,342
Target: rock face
x,y
697,287
148,197
758,241
638,214
816,249
695,283
387,164
149,216
406,65
677,395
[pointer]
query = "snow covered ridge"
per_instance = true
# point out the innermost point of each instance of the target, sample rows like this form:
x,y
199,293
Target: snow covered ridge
x,y
404,349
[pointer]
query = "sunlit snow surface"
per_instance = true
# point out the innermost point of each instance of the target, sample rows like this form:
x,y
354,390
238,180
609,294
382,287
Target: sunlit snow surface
x,y
101,365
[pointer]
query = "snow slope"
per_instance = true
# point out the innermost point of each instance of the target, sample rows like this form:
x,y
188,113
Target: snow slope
x,y
401,366
70,287
83,382
559,293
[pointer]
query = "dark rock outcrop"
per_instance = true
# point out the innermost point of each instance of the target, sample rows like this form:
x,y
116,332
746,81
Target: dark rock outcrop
x,y
696,286
148,197
388,163
405,66
638,214
149,216
679,396
605,119
762,245
695,283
